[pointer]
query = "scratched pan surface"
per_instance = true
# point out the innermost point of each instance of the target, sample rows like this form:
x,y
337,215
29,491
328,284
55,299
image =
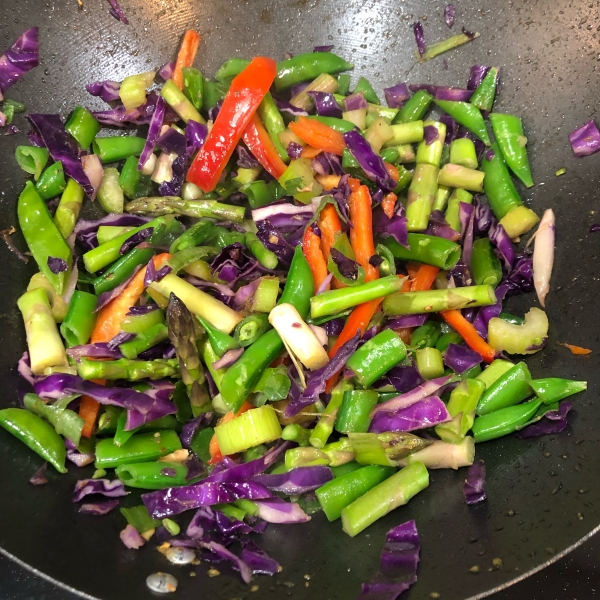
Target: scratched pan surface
x,y
544,495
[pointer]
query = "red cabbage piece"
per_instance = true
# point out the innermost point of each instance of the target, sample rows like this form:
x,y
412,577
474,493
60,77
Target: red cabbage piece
x,y
39,477
120,338
408,321
98,350
117,12
233,263
173,187
284,216
327,48
585,140
449,14
425,413
439,227
398,565
189,430
86,231
274,241
317,380
402,379
415,395
594,227
230,357
326,163
484,217
57,265
326,104
245,160
430,134
166,71
286,107
465,212
109,296
355,102
451,128
172,141
428,87
141,407
467,230
156,123
131,538
371,163
173,501
195,136
107,90
152,274
119,116
135,239
347,267
61,147
453,94
334,327
504,245
396,95
297,481
98,508
419,37
476,76
258,560
294,150
225,554
553,421
276,510
395,227
461,358
104,487
474,483
20,58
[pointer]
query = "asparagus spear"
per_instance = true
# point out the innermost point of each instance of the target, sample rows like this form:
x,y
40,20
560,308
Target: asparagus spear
x,y
127,369
173,205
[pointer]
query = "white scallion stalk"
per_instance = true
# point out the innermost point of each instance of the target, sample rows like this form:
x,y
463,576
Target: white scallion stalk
x,y
543,255
298,336
442,455
149,165
163,171
45,345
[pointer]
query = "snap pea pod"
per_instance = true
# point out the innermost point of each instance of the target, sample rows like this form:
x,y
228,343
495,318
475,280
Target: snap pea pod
x,y
553,389
504,421
305,67
509,389
428,249
141,447
52,181
415,107
153,475
37,434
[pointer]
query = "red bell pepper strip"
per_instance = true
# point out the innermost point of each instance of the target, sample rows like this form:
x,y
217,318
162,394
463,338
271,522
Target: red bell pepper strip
x,y
245,94
318,135
213,447
259,143
311,246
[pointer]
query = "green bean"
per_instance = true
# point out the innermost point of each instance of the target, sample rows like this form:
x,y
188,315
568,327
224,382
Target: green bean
x,y
80,320
113,149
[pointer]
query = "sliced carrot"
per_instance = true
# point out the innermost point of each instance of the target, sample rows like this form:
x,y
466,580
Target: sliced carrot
x,y
310,152
353,183
388,204
579,350
424,279
328,181
361,232
330,225
393,171
311,246
186,56
318,135
213,446
469,334
108,324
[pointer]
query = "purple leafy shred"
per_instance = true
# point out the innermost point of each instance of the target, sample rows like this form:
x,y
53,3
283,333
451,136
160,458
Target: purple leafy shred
x,y
156,122
245,160
107,297
233,263
419,37
117,12
172,141
371,163
61,147
396,95
326,104
347,267
20,58
98,350
475,483
166,71
294,150
297,481
476,76
102,507
553,421
276,510
398,565
585,140
191,428
258,560
107,90
39,477
420,415
274,241
395,227
104,487
594,227
461,358
131,538
6,234
135,239
449,14
87,231
195,136
327,48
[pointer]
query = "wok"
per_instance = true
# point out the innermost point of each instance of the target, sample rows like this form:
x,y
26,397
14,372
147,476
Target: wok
x,y
544,494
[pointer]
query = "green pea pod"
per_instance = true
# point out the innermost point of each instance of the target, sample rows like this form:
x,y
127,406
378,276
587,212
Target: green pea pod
x,y
43,236
274,124
468,116
153,475
366,89
553,389
243,375
193,86
428,249
503,422
485,266
52,181
508,130
510,389
221,342
415,108
483,96
426,336
305,67
37,434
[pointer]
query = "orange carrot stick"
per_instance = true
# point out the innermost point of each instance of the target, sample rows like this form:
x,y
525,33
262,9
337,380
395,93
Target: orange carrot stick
x,y
579,350
353,183
185,58
361,232
388,204
424,279
393,171
330,226
318,135
310,152
311,246
108,324
213,446
328,181
469,334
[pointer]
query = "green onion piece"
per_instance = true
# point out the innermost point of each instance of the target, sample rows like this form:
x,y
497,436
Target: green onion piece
x,y
265,297
82,126
133,89
448,44
179,103
32,159
110,232
139,517
299,182
254,427
560,172
141,323
116,148
250,329
80,320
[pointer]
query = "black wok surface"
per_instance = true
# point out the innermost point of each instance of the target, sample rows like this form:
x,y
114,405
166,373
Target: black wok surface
x,y
543,494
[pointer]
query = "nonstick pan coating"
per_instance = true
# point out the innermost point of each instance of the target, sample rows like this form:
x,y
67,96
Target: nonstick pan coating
x,y
544,494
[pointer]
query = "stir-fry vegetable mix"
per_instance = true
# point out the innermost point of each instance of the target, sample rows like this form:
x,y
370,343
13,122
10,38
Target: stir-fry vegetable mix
x,y
293,280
